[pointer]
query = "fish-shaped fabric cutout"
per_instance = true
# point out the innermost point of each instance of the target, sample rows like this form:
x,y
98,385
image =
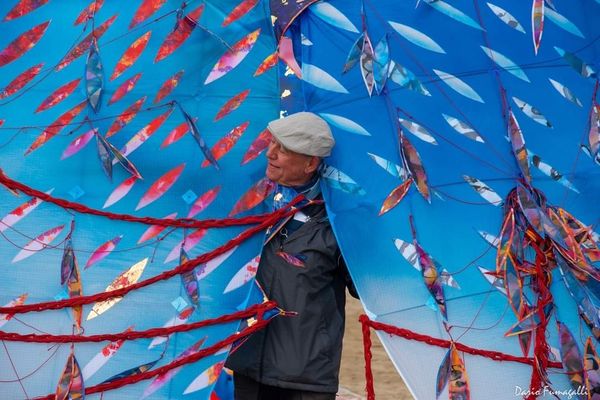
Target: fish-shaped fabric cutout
x,y
198,138
269,62
517,142
462,128
226,143
297,260
366,63
530,209
321,79
177,133
417,37
54,128
562,22
505,63
179,319
232,104
71,384
565,92
21,81
537,23
239,11
103,251
120,191
286,54
130,56
458,85
183,29
415,166
443,374
125,117
145,10
163,379
126,278
244,275
23,43
549,171
395,196
253,196
577,63
107,150
257,146
154,230
233,57
409,252
506,17
594,133
390,167
484,190
94,77
58,95
160,186
203,201
418,131
124,88
354,54
68,261
100,359
332,16
571,357
454,13
187,244
4,318
133,371
167,87
23,7
344,123
206,378
75,289
39,243
532,112
406,79
381,64
496,282
20,212
507,234
339,180
591,365
89,11
493,240
458,380
188,280
431,278
144,134
85,44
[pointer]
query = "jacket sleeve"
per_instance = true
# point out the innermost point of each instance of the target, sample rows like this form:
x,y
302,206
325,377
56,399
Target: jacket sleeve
x,y
347,278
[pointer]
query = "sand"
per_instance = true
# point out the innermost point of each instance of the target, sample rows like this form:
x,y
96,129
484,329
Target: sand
x,y
388,383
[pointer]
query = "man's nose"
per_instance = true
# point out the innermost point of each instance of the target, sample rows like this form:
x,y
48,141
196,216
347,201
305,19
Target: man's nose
x,y
271,153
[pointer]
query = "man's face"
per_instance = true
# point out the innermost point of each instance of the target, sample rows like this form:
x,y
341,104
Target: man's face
x,y
287,167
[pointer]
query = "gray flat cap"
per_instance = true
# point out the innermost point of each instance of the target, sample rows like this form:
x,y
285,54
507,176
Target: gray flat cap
x,y
304,133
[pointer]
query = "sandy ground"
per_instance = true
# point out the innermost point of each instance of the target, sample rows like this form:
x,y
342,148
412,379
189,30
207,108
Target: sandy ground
x,y
388,384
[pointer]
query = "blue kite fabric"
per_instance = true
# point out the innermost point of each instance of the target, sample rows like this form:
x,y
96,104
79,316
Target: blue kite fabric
x,y
464,183
146,108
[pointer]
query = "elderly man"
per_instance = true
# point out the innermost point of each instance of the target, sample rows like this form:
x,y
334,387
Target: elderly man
x,y
301,268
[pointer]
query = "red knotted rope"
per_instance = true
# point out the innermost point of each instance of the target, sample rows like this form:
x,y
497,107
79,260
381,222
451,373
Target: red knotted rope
x,y
432,341
180,269
103,387
176,223
133,335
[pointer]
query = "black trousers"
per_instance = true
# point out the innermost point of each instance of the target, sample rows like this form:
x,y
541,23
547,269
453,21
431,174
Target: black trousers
x,y
249,389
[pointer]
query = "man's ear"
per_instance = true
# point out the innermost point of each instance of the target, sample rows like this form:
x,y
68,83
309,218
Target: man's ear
x,y
312,165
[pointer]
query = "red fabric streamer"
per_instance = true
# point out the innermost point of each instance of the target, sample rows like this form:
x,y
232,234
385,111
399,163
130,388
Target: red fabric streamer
x,y
366,331
430,340
180,269
103,387
133,335
175,223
